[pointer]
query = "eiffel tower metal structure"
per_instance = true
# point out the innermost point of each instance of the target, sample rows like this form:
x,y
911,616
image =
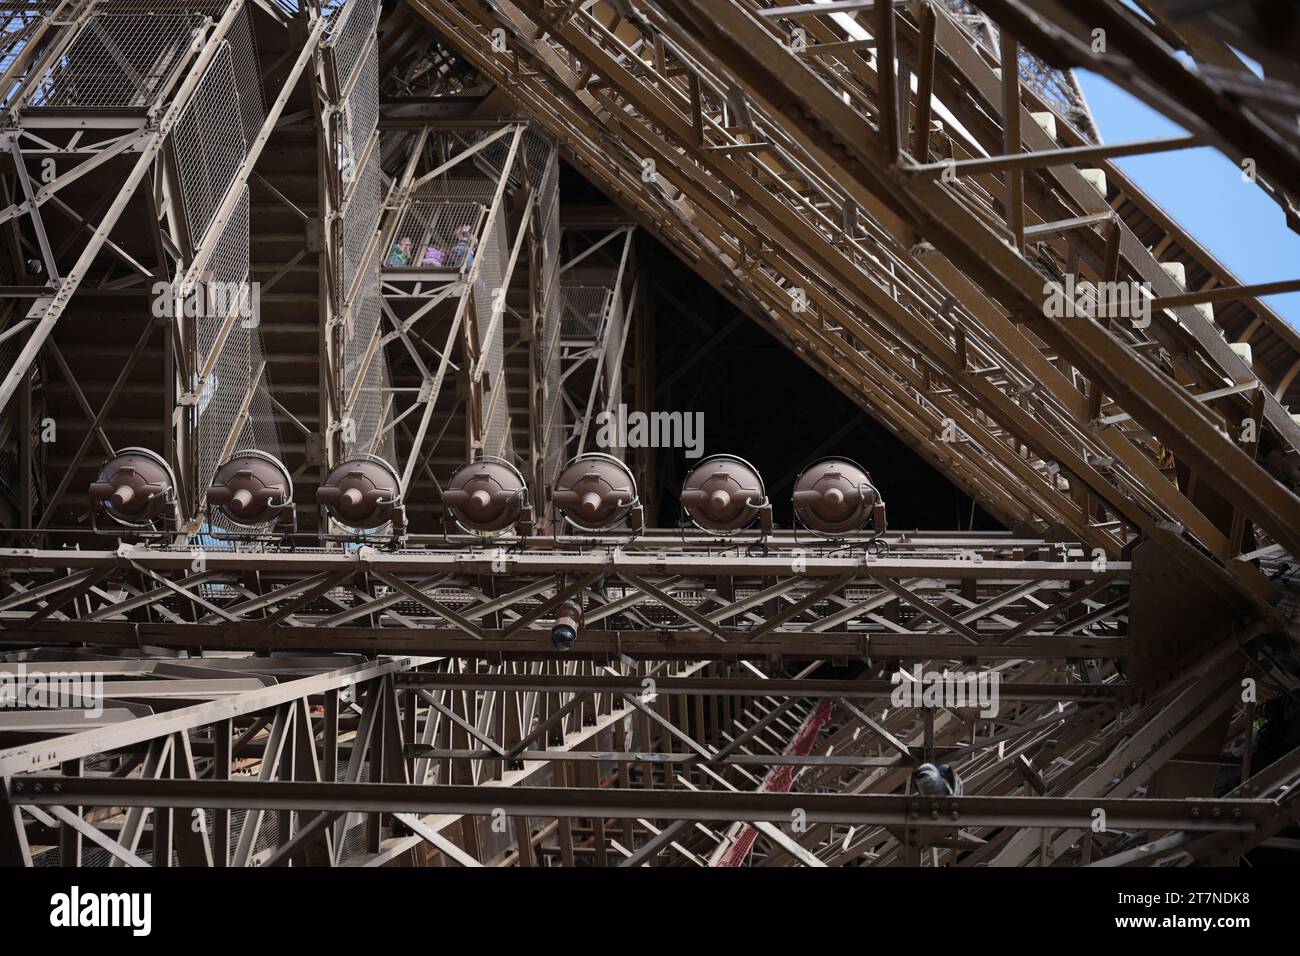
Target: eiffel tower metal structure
x,y
316,233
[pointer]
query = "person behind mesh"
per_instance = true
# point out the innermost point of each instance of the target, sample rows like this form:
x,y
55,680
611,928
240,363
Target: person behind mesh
x,y
400,255
459,255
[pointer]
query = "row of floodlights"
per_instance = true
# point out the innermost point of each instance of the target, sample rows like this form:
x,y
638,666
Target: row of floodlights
x,y
594,493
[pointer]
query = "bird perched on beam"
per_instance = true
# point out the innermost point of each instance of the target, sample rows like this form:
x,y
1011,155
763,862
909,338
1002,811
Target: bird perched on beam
x,y
940,781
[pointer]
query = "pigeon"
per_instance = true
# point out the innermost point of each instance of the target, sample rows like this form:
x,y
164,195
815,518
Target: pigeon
x,y
940,781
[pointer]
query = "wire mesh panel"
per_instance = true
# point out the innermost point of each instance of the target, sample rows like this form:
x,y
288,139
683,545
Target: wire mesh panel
x,y
227,384
210,139
209,143
353,27
489,293
363,361
354,824
583,311
361,112
248,76
365,366
237,390
540,154
492,158
358,119
360,221
118,60
435,234
552,440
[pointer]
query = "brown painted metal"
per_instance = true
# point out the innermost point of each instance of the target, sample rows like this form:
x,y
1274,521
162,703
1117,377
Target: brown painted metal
x,y
595,493
724,493
488,496
835,497
252,488
135,488
363,493
1113,443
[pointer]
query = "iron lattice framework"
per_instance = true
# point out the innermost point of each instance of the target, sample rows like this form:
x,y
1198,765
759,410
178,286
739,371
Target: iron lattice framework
x,y
893,190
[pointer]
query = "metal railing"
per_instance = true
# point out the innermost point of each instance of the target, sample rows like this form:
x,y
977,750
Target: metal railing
x,y
436,234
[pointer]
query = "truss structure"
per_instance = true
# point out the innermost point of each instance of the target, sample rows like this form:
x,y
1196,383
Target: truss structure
x,y
1052,424
658,599
596,307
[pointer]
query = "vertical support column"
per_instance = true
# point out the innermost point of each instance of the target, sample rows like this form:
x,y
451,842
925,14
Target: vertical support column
x,y
1249,433
886,78
70,839
25,464
536,338
472,387
163,816
924,86
180,339
643,363
222,756
1011,137
325,446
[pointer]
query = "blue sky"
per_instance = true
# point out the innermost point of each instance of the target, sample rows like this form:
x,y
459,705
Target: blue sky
x,y
1203,190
